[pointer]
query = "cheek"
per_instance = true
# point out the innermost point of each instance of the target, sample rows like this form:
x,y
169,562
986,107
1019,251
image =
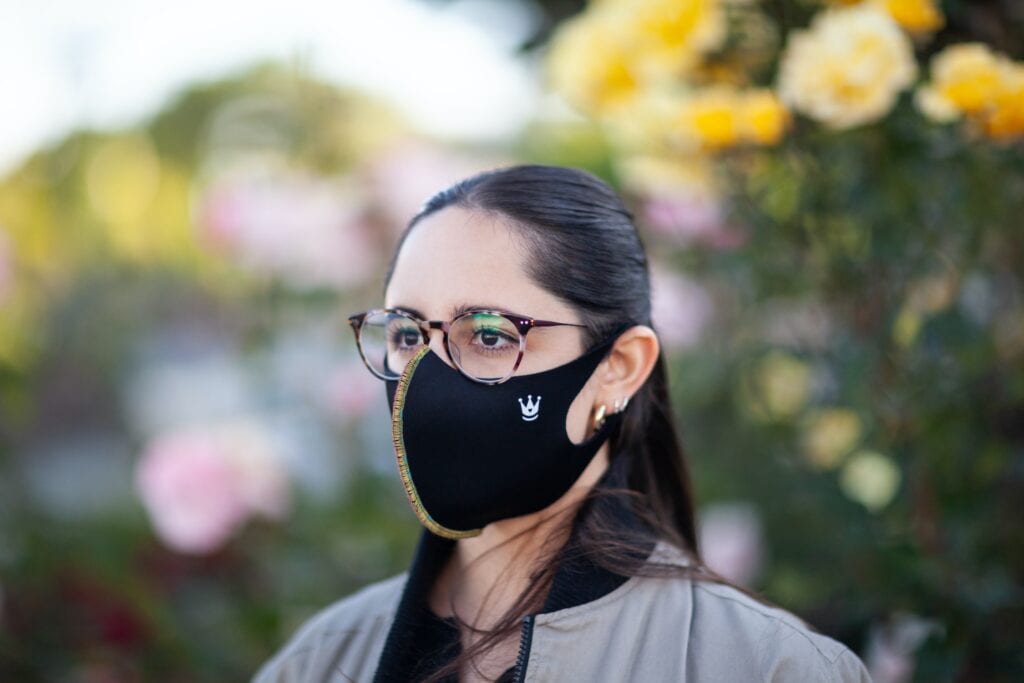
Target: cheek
x,y
577,421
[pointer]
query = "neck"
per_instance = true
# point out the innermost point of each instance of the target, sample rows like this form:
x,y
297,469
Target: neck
x,y
486,574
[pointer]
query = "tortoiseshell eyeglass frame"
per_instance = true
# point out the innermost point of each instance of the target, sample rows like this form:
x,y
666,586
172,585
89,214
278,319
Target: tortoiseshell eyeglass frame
x,y
523,324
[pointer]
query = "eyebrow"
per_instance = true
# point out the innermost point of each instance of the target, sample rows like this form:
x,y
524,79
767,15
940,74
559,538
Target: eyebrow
x,y
457,310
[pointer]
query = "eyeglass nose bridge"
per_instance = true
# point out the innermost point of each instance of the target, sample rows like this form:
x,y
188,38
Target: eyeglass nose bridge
x,y
427,325
444,326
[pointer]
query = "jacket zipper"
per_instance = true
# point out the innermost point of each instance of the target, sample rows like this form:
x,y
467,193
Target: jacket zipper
x,y
525,640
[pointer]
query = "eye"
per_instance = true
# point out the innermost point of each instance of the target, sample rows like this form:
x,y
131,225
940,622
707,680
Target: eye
x,y
404,338
493,338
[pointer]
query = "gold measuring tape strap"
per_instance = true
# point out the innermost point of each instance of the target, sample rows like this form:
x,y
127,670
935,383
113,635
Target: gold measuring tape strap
x,y
403,462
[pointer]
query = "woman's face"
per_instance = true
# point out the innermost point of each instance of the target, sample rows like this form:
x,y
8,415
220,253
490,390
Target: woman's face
x,y
458,258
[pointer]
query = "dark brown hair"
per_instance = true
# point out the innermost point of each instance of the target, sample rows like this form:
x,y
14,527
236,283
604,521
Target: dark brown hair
x,y
584,249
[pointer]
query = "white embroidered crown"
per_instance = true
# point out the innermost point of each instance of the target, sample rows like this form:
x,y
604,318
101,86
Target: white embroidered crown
x,y
531,408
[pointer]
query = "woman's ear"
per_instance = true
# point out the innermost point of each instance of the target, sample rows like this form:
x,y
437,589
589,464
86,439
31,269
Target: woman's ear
x,y
627,365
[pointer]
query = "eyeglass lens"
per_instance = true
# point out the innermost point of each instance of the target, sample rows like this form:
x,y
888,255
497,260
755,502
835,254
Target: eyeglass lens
x,y
484,345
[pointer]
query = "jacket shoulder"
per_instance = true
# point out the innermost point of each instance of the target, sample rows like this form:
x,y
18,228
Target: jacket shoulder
x,y
333,629
781,646
734,630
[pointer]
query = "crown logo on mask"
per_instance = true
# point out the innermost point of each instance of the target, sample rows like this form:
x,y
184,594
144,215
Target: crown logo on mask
x,y
531,409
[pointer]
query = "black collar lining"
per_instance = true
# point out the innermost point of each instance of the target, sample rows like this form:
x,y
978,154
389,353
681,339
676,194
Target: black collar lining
x,y
578,580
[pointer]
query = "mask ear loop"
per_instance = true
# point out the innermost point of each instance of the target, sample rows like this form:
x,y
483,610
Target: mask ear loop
x,y
403,462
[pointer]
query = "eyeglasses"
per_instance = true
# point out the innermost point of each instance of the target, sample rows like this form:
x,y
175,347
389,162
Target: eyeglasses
x,y
485,346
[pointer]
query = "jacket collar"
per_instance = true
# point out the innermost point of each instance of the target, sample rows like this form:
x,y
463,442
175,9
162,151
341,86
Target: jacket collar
x,y
577,580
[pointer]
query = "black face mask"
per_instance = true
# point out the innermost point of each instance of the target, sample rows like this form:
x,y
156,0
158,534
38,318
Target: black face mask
x,y
470,454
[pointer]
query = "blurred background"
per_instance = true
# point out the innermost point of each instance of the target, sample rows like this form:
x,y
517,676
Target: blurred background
x,y
193,198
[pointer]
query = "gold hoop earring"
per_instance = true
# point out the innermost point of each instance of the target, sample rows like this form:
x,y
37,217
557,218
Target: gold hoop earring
x,y
599,417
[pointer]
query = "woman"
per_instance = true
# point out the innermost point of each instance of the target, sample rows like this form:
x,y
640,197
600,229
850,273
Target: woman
x,y
535,442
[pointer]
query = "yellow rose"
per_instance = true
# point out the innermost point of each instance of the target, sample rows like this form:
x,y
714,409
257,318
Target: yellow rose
x,y
649,121
763,118
969,75
601,59
671,33
722,116
870,478
1007,117
916,16
934,106
712,118
589,63
829,434
969,79
848,68
776,388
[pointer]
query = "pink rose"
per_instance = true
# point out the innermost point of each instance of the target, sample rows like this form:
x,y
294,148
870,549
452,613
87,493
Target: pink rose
x,y
200,485
690,218
731,541
680,308
309,232
402,178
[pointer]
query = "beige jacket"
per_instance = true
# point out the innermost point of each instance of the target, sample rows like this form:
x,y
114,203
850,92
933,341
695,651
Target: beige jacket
x,y
647,629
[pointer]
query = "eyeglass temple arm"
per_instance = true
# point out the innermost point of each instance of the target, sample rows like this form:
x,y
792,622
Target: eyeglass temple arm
x,y
551,323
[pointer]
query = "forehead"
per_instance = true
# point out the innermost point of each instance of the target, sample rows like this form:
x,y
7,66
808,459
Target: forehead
x,y
458,257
